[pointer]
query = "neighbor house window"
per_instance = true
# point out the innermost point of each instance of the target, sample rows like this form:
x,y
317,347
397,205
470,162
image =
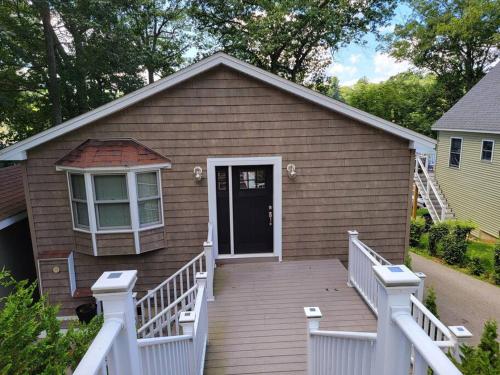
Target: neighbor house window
x,y
455,152
487,150
79,201
114,203
148,196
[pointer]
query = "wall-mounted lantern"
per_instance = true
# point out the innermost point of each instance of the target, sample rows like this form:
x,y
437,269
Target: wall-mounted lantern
x,y
198,173
291,171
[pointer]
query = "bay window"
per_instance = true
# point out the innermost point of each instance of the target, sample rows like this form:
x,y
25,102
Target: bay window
x,y
106,202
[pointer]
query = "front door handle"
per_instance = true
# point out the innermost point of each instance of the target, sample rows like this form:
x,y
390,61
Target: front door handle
x,y
270,218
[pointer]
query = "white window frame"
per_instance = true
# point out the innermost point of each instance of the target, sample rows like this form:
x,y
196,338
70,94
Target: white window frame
x,y
157,197
492,150
461,152
79,228
133,201
97,203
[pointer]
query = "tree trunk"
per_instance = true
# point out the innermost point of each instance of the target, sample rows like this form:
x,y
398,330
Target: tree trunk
x,y
53,81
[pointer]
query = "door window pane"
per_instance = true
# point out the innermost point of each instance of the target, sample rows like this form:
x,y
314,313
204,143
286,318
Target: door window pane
x,y
147,185
110,187
113,215
221,180
487,151
252,179
455,150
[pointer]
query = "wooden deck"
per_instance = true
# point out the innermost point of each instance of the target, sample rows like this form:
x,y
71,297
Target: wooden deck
x,y
257,323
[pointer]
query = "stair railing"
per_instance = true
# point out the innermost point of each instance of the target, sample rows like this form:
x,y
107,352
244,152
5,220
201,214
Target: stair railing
x,y
429,188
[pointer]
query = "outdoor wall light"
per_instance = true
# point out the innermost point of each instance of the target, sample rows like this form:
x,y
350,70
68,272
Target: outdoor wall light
x,y
198,173
291,171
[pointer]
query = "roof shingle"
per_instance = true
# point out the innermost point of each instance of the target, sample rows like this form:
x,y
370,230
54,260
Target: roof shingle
x,y
478,110
111,153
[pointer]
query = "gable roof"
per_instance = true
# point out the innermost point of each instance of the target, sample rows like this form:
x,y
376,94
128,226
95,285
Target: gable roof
x,y
12,201
95,153
478,110
18,150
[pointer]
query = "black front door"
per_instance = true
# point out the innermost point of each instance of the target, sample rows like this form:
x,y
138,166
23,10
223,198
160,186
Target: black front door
x,y
252,209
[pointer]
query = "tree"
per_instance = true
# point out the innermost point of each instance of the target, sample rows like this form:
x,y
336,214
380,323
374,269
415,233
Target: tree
x,y
292,38
412,100
328,86
457,40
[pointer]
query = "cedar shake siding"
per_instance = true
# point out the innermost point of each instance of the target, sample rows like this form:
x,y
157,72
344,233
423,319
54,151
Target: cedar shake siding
x,y
349,176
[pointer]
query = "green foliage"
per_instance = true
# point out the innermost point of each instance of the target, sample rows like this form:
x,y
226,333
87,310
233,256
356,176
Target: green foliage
x,y
292,38
454,249
422,211
417,227
408,261
476,267
30,338
436,233
408,99
496,264
483,359
327,86
456,40
462,229
430,301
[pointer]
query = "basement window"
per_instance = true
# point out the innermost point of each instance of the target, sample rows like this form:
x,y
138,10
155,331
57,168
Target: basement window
x,y
487,147
455,152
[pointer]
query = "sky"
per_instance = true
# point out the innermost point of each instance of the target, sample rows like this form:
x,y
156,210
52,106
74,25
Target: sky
x,y
357,61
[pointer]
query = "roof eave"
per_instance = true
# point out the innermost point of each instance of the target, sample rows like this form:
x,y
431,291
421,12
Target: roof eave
x,y
486,131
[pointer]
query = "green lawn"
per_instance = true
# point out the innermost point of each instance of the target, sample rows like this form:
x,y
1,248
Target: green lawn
x,y
481,250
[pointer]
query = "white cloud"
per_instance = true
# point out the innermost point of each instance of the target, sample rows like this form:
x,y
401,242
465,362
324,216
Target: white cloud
x,y
337,68
354,58
385,66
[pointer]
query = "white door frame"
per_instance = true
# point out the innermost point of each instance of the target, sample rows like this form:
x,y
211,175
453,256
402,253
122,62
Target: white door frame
x,y
275,161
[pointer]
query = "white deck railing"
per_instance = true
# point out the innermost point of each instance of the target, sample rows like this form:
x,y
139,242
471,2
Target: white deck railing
x,y
429,190
159,310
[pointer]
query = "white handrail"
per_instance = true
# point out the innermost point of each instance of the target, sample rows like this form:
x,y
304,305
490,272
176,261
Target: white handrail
x,y
431,185
424,346
94,360
430,324
346,334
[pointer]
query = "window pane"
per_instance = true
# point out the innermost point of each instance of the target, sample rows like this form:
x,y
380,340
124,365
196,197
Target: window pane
x,y
81,214
149,212
78,186
147,185
455,160
111,187
487,151
456,145
113,215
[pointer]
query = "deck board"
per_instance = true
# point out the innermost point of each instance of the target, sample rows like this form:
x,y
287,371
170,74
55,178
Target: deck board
x,y
257,323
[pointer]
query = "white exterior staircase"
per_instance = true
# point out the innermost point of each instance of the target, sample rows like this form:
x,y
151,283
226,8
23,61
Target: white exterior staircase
x,y
429,190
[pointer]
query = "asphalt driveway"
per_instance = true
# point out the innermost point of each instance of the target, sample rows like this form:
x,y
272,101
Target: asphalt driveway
x,y
461,299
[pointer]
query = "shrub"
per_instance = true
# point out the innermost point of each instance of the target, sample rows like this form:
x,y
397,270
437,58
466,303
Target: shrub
x,y
454,249
417,227
22,321
483,359
422,211
430,301
437,232
462,229
476,267
407,261
496,264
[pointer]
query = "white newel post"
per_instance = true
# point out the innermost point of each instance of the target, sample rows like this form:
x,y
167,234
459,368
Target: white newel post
x,y
209,259
421,286
313,315
114,290
393,351
353,235
459,335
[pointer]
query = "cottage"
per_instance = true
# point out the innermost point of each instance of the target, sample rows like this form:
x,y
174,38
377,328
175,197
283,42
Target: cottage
x,y
468,156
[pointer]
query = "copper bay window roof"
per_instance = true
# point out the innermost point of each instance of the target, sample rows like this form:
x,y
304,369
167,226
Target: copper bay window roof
x,y
95,153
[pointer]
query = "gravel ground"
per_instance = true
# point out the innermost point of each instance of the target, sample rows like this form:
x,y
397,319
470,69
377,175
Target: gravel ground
x,y
461,299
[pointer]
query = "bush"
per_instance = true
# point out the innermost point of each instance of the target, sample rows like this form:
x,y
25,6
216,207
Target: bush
x,y
22,321
454,249
483,359
476,267
462,229
430,301
437,232
407,261
496,264
422,211
417,227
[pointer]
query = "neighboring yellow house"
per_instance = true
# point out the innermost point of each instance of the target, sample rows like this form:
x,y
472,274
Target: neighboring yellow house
x,y
468,155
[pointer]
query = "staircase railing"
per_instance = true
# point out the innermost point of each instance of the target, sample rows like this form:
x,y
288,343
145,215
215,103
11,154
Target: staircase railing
x,y
428,189
159,310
